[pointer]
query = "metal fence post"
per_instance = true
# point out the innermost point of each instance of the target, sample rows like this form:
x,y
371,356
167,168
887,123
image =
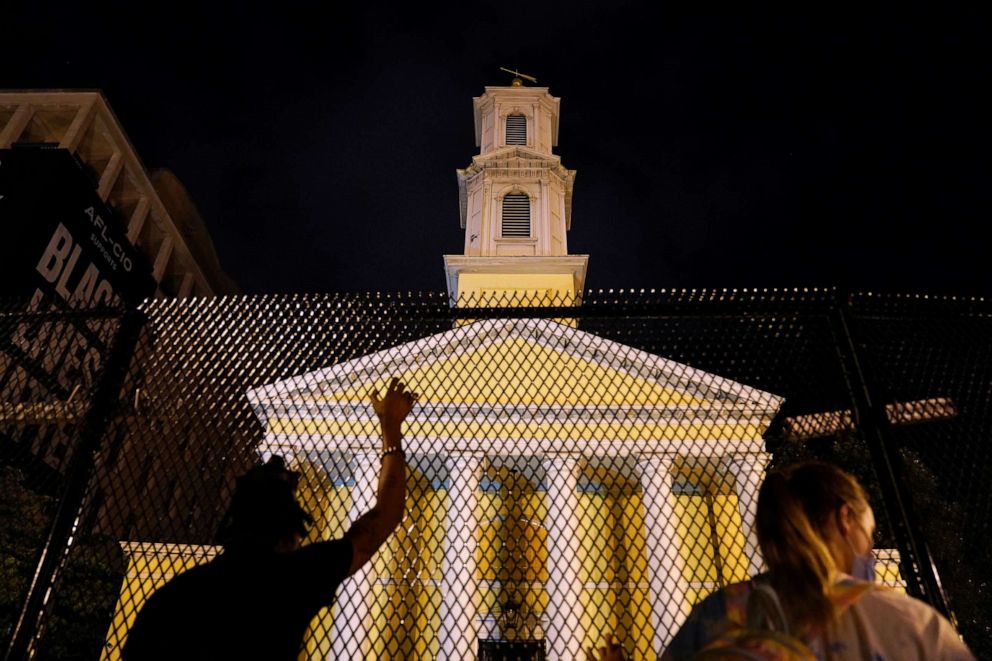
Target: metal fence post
x,y
57,542
919,570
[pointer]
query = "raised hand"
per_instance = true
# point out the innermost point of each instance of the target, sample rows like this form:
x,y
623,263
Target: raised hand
x,y
395,405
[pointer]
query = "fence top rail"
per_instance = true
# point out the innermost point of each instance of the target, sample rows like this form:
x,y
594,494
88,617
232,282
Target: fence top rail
x,y
589,304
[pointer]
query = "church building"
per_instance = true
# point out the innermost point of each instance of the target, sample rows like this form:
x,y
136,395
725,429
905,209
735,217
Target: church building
x,y
560,484
583,483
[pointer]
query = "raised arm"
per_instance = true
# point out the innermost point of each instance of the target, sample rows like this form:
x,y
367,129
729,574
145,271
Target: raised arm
x,y
371,530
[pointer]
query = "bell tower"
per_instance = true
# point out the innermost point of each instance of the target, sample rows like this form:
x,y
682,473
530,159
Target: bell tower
x,y
515,204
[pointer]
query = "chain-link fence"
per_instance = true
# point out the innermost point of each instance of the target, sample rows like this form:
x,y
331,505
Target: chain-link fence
x,y
572,470
930,362
55,389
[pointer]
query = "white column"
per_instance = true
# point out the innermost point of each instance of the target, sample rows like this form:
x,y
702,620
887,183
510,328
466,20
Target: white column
x,y
564,637
459,605
748,471
351,609
666,584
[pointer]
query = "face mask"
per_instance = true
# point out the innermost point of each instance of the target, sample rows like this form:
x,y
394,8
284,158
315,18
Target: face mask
x,y
863,567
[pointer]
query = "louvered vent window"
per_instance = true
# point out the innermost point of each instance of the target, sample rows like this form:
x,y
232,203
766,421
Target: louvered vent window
x,y
516,130
516,215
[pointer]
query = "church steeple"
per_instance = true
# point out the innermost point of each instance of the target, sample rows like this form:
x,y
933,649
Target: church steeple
x,y
515,205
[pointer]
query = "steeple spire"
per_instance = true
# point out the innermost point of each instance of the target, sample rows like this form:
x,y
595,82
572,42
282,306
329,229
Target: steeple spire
x,y
515,203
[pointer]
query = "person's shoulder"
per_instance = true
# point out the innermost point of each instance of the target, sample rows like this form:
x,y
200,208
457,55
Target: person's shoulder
x,y
849,592
714,605
724,602
894,611
166,612
192,578
883,599
177,596
336,549
901,609
708,619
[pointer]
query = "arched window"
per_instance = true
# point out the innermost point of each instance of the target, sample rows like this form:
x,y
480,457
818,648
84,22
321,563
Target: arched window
x,y
516,215
516,130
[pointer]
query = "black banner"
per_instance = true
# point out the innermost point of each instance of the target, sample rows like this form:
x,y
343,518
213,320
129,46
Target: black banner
x,y
61,249
60,240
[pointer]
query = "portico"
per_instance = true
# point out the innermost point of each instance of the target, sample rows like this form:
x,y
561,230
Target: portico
x,y
577,419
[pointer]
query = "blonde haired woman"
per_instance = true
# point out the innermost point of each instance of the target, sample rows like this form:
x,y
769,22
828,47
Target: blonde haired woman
x,y
815,528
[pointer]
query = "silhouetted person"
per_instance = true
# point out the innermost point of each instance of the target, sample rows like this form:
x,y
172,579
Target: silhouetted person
x,y
256,599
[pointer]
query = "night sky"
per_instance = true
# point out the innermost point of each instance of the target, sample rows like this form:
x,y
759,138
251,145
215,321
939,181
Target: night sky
x,y
714,149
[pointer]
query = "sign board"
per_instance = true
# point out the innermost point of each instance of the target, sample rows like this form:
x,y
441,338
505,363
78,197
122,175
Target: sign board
x,y
61,249
60,238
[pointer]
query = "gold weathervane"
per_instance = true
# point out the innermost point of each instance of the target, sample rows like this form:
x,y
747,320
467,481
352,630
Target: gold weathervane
x,y
518,78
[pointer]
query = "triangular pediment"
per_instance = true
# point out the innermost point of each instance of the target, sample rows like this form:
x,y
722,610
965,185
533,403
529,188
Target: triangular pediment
x,y
515,152
528,362
521,386
521,370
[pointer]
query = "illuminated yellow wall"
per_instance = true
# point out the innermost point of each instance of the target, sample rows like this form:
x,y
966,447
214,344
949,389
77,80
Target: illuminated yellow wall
x,y
406,601
613,572
699,553
516,289
512,548
511,371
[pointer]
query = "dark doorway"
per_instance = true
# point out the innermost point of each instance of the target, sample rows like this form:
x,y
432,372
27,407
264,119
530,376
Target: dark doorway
x,y
492,649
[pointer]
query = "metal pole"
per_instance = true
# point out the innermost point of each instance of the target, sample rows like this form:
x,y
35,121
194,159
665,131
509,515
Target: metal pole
x,y
919,570
78,476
